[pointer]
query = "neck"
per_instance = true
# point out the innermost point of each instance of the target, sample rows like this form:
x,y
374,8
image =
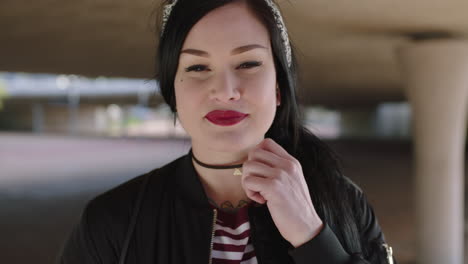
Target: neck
x,y
219,158
216,167
220,184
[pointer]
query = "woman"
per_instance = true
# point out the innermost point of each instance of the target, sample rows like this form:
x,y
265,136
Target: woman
x,y
256,187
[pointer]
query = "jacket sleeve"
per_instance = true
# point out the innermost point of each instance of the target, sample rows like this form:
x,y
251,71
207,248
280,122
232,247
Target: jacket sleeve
x,y
326,247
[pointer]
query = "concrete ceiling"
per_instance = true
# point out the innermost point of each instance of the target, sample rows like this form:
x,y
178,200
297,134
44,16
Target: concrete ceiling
x,y
345,48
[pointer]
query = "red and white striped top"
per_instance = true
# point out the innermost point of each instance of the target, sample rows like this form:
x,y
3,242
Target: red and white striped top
x,y
231,242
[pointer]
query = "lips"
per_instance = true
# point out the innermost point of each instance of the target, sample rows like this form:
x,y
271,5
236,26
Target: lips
x,y
225,117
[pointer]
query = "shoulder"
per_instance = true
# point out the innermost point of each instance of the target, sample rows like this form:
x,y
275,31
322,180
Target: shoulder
x,y
357,199
118,202
109,213
99,235
366,219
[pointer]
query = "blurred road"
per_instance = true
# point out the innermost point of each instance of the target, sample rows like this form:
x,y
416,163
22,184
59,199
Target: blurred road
x,y
46,180
49,166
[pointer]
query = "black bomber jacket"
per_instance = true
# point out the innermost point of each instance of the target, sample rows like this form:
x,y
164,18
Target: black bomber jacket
x,y
164,217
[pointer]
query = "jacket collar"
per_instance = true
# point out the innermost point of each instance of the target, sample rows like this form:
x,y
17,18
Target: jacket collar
x,y
189,186
269,244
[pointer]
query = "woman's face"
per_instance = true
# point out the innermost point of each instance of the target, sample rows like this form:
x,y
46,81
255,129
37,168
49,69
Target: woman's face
x,y
226,64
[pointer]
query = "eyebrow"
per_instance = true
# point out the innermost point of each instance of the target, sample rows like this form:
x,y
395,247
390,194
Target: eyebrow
x,y
235,51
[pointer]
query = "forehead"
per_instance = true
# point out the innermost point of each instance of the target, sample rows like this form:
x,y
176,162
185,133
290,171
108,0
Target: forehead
x,y
230,26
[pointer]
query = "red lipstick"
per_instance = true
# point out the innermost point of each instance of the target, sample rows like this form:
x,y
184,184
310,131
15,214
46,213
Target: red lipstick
x,y
225,118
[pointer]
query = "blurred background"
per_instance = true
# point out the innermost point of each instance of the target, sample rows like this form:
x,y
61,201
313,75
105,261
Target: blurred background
x,y
384,83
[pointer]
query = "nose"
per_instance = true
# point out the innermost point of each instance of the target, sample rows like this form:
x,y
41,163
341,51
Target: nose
x,y
225,88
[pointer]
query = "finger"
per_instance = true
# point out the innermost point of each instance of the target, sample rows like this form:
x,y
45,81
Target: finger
x,y
255,196
254,184
267,157
256,168
289,165
271,145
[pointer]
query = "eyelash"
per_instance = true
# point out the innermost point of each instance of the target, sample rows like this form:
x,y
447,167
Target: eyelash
x,y
245,65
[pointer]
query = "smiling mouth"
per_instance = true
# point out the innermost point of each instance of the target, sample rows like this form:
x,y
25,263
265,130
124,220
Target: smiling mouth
x,y
225,118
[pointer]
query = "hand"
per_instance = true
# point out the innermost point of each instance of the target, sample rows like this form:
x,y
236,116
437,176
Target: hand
x,y
272,176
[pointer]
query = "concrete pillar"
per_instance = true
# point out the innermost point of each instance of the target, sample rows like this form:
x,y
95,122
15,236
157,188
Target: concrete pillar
x,y
435,73
73,110
38,117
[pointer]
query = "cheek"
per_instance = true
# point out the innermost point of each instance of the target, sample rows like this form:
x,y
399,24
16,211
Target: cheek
x,y
184,90
183,107
262,90
182,97
265,98
188,100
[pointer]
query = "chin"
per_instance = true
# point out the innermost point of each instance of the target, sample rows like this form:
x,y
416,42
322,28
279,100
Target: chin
x,y
232,143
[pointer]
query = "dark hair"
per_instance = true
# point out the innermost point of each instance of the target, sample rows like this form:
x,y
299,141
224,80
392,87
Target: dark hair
x,y
320,165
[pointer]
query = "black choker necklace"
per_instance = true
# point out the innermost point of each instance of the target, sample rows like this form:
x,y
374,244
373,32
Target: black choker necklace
x,y
219,167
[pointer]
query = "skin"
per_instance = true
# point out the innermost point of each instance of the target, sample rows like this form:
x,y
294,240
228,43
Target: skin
x,y
226,63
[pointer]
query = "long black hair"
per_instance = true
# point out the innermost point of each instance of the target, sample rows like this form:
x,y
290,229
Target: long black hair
x,y
320,165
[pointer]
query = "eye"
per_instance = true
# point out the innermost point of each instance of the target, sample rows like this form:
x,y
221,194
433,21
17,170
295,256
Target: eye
x,y
249,64
196,68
